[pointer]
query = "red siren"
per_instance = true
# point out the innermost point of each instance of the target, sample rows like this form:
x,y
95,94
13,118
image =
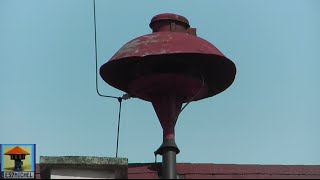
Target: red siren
x,y
169,67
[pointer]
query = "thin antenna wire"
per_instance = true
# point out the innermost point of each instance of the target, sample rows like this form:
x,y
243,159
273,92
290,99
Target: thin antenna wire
x,y
118,133
96,51
193,96
125,97
190,99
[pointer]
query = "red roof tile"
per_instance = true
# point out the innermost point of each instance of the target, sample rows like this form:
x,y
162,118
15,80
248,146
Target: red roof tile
x,y
143,176
144,168
219,171
309,177
247,169
198,176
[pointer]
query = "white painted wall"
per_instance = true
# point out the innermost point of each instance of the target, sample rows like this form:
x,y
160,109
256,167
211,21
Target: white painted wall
x,y
81,174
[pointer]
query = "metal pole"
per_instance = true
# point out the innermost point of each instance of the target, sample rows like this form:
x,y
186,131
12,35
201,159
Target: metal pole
x,y
167,109
168,150
169,164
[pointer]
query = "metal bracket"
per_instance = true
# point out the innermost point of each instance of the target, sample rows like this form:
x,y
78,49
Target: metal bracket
x,y
172,26
192,31
168,144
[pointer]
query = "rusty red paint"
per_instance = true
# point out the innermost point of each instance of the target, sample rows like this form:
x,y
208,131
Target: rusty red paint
x,y
170,23
170,17
182,87
167,108
169,67
169,51
167,99
161,43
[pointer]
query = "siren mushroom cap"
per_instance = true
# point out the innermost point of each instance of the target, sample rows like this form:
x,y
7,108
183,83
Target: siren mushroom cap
x,y
169,16
162,22
166,56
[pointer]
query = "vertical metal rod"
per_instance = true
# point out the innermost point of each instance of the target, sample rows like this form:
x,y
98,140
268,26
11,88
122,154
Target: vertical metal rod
x,y
169,164
118,132
96,50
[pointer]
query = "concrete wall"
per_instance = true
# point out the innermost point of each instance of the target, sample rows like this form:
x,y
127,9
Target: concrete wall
x,y
81,174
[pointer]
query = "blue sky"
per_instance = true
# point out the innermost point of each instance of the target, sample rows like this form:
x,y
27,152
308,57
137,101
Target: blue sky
x,y
270,115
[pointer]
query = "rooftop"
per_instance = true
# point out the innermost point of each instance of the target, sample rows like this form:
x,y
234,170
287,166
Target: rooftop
x,y
223,171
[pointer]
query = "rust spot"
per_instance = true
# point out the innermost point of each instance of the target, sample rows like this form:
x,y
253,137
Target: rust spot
x,y
132,47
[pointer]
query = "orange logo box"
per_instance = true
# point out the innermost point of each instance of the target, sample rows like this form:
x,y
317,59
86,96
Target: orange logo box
x,y
17,161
